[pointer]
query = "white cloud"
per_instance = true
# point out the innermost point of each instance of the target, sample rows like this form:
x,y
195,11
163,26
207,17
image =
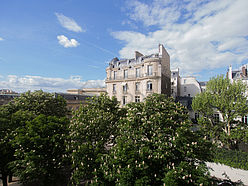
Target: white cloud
x,y
69,23
198,35
1,39
22,84
64,41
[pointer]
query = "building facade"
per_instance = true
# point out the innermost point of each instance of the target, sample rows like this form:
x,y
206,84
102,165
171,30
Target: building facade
x,y
184,86
88,91
242,75
131,80
175,83
189,86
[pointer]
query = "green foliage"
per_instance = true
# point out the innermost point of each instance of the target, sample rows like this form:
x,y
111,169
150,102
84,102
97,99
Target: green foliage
x,y
155,145
39,102
92,127
228,99
39,149
6,151
23,109
233,158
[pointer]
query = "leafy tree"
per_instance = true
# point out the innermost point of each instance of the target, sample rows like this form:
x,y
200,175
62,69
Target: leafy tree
x,y
226,98
40,102
6,151
92,128
16,113
156,146
39,149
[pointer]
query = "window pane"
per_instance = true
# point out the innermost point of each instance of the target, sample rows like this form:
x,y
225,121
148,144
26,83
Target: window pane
x,y
137,72
137,99
149,86
125,74
137,86
149,72
114,88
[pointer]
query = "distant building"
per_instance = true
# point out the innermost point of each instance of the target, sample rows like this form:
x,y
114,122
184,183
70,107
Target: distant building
x,y
175,83
6,98
184,86
242,75
74,100
87,91
131,80
7,91
189,86
7,95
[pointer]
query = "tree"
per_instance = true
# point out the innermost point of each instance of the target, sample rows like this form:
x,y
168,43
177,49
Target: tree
x,y
92,128
6,151
16,113
224,97
40,149
8,123
40,102
156,146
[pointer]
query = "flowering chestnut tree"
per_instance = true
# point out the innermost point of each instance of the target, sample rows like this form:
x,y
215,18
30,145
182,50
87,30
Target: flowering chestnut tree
x,y
92,128
156,146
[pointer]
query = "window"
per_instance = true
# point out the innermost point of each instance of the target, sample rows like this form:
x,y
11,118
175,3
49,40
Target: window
x,y
124,100
125,74
114,88
149,70
216,118
137,99
125,88
137,86
114,75
149,86
137,72
172,90
185,89
245,119
184,81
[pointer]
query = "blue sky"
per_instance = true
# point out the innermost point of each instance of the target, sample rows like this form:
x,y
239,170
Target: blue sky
x,y
56,45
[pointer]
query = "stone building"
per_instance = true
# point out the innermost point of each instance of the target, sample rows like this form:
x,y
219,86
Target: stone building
x,y
241,75
175,83
88,91
131,80
73,101
184,86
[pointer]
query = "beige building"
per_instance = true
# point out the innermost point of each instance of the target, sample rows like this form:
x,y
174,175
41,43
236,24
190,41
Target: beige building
x,y
131,80
87,91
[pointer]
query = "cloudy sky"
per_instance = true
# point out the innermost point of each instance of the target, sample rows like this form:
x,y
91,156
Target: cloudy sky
x,y
57,45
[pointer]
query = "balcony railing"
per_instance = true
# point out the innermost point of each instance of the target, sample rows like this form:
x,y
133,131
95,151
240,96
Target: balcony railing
x,y
133,76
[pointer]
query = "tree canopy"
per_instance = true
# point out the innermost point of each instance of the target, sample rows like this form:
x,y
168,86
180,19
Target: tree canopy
x,y
40,149
15,115
225,98
92,127
153,144
40,102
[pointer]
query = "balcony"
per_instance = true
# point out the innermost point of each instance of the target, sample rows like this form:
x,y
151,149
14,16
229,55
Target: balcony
x,y
133,76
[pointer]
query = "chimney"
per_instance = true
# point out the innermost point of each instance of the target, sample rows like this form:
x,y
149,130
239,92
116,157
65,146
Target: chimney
x,y
137,55
230,72
244,71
